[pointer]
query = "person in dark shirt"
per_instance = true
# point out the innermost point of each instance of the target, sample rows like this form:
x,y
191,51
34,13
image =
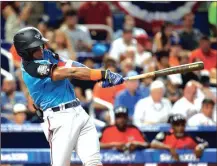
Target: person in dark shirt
x,y
122,136
177,138
189,36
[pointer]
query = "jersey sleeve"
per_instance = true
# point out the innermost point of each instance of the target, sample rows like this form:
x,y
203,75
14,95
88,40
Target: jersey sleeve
x,y
38,70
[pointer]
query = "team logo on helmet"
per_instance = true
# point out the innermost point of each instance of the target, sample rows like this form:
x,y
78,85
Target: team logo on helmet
x,y
38,36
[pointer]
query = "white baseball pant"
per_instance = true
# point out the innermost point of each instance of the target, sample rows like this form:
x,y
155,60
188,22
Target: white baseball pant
x,y
71,129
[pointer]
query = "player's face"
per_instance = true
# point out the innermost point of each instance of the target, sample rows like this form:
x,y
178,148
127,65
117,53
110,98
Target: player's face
x,y
179,129
121,121
38,53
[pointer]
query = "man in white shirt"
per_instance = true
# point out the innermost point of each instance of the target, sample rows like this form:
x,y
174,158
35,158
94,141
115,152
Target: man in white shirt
x,y
189,104
153,109
204,118
78,34
120,45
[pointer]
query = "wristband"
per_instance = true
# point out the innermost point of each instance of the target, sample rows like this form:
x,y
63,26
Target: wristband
x,y
96,75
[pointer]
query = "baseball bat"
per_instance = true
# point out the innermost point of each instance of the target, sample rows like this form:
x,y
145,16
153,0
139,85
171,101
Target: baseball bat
x,y
168,71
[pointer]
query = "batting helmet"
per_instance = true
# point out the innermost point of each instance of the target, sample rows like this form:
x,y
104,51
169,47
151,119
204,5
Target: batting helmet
x,y
177,119
121,110
28,39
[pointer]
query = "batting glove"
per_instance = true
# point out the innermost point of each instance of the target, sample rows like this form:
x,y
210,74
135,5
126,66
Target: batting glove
x,y
111,79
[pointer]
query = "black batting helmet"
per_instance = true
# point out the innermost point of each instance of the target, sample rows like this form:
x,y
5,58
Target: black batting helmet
x,y
28,39
121,110
177,119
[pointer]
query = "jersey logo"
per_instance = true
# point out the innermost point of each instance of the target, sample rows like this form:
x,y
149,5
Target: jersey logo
x,y
43,69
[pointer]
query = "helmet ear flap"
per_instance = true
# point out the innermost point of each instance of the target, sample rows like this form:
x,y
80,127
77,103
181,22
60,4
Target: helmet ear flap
x,y
24,54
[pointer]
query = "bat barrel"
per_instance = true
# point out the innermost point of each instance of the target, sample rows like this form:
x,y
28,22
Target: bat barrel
x,y
180,69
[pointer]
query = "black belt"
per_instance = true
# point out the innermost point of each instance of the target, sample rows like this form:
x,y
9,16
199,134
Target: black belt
x,y
74,103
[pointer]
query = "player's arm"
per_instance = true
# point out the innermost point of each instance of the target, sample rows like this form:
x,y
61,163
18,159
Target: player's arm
x,y
61,72
157,143
201,145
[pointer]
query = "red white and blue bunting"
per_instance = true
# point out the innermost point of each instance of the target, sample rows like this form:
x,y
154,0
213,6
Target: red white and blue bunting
x,y
155,11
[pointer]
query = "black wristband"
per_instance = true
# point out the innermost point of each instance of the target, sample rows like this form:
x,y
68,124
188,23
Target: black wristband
x,y
103,72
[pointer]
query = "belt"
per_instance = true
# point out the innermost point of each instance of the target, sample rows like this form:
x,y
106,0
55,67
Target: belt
x,y
74,103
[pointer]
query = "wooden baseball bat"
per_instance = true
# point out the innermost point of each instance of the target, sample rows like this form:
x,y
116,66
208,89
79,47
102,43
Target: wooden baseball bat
x,y
168,71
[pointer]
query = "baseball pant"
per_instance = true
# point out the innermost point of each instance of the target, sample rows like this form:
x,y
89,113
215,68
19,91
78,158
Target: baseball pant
x,y
71,129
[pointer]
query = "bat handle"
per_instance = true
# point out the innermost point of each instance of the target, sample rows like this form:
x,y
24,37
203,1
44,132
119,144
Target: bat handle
x,y
126,78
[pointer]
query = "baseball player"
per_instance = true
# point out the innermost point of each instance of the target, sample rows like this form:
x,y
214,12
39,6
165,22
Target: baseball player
x,y
66,125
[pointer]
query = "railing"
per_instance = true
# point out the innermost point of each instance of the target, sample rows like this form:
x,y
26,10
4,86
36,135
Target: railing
x,y
10,60
108,105
6,73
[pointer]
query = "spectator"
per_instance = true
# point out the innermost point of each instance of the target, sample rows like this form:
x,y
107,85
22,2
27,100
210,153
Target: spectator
x,y
130,96
186,77
129,21
79,35
43,24
96,13
65,6
205,53
173,92
107,94
162,63
153,109
164,38
175,50
15,18
204,118
120,45
178,139
142,57
189,36
190,101
9,97
122,136
20,114
63,46
126,65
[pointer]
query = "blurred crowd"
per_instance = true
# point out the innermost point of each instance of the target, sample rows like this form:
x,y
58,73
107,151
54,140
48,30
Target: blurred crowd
x,y
128,51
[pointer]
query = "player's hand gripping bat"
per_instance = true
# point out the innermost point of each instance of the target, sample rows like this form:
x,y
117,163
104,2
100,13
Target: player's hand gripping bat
x,y
168,71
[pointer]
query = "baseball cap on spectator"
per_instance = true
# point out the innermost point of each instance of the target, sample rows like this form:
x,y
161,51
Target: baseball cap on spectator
x,y
121,110
176,119
156,85
18,108
142,39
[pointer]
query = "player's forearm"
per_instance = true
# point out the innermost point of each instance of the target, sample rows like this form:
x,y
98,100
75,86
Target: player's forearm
x,y
81,73
106,146
159,145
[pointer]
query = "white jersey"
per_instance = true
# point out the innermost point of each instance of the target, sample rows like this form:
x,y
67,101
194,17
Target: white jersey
x,y
200,120
146,111
186,108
